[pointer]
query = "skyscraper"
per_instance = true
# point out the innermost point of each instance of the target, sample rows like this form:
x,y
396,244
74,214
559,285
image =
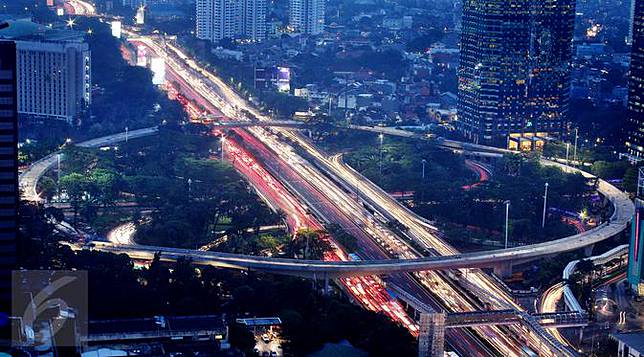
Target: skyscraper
x,y
307,16
635,140
234,19
8,169
514,71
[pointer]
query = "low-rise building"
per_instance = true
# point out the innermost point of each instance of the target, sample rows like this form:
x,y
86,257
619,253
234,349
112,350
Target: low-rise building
x,y
629,344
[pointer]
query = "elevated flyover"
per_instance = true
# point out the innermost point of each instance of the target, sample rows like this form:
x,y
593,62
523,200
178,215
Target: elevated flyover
x,y
30,177
247,124
623,211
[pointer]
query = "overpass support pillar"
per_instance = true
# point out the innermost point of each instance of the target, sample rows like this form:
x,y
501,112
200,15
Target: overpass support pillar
x,y
503,270
588,250
326,284
431,337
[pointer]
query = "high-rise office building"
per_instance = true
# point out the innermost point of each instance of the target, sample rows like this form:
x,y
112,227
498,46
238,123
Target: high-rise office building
x,y
635,268
54,71
635,140
233,19
8,170
514,71
307,16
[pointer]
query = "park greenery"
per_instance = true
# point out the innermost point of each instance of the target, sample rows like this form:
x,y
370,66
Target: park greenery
x,y
471,215
169,182
118,290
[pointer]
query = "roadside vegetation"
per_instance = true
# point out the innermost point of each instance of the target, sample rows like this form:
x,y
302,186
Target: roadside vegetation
x,y
469,216
186,199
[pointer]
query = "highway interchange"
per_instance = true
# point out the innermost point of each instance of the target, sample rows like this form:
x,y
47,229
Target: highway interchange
x,y
306,180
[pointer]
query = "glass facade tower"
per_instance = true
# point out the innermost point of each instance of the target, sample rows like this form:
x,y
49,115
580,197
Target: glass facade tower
x,y
514,71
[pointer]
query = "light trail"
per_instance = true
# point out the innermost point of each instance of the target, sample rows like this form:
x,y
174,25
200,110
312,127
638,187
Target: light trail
x,y
80,7
364,290
453,299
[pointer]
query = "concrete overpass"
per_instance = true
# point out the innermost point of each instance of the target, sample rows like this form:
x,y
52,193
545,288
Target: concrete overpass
x,y
30,177
624,210
622,214
246,124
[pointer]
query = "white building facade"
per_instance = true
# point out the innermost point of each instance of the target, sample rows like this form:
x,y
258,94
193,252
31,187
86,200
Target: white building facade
x,y
233,19
307,16
54,79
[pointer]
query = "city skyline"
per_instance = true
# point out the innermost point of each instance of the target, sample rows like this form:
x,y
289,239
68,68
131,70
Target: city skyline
x,y
270,178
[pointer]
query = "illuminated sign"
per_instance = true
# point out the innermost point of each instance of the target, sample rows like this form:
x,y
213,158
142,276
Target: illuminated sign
x,y
116,29
634,273
157,65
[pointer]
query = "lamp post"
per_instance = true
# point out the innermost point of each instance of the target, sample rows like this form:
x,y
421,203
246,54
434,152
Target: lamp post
x,y
58,174
574,151
381,137
424,161
567,152
223,139
58,157
545,203
127,133
507,221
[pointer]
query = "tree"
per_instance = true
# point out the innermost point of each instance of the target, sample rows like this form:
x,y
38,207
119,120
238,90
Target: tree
x,y
48,187
241,338
348,241
75,186
105,185
309,243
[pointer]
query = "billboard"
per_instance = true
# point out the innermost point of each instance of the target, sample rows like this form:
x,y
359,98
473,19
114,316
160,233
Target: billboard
x,y
157,65
283,79
116,29
636,248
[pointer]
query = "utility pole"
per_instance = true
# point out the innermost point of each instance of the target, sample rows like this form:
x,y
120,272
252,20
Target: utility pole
x,y
507,221
545,203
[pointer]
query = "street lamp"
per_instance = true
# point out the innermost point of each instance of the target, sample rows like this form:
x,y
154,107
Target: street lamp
x,y
58,157
574,152
223,139
567,152
507,220
381,137
545,203
424,161
127,133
